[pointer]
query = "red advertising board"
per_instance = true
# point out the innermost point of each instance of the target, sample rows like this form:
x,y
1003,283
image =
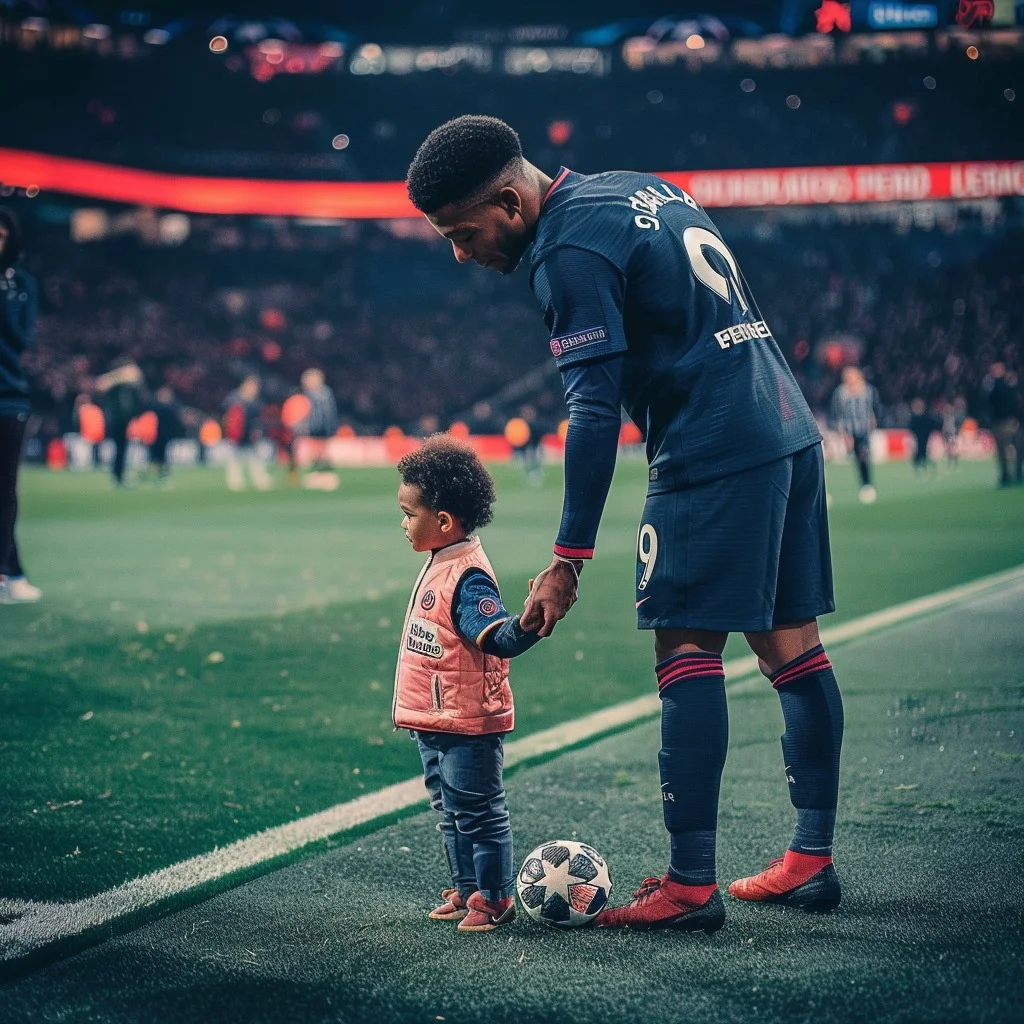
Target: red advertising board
x,y
776,186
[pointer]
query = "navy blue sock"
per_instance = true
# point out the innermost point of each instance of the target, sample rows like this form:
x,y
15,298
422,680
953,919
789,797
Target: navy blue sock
x,y
813,712
694,741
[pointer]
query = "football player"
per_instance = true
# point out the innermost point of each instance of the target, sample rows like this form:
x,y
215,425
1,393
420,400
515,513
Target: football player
x,y
647,310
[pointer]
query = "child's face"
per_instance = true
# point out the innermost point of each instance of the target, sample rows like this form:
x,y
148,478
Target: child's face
x,y
425,528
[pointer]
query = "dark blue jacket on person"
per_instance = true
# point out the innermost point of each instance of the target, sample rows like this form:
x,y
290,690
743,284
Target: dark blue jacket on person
x,y
18,305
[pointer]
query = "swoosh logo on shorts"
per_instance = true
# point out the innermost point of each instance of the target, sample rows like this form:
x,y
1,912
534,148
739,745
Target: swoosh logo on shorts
x,y
641,601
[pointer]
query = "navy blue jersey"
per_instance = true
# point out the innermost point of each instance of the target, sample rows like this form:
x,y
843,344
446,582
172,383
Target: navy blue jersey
x,y
627,264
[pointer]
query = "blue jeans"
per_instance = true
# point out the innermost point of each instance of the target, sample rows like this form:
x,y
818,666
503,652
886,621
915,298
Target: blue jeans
x,y
463,776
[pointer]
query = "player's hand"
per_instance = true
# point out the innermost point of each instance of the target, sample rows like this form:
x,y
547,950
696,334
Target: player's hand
x,y
552,594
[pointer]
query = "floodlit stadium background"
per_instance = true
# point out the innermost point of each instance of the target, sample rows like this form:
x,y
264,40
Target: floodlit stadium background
x,y
221,195
217,194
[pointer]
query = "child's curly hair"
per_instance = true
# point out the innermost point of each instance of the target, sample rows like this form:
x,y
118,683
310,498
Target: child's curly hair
x,y
451,478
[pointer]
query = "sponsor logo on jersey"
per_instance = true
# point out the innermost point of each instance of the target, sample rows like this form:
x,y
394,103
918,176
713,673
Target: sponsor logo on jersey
x,y
569,342
422,638
487,607
742,332
428,600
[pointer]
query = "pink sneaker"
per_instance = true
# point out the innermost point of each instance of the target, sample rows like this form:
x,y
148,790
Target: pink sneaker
x,y
484,916
453,908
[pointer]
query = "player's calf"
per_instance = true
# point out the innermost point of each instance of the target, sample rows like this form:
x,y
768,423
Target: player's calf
x,y
813,712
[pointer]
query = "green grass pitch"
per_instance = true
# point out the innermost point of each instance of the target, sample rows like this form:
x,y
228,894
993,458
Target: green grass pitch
x,y
207,664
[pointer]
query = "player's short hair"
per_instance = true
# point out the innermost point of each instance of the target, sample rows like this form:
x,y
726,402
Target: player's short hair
x,y
458,160
451,478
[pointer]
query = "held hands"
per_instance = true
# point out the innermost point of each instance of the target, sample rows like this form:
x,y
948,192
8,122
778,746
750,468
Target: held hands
x,y
551,596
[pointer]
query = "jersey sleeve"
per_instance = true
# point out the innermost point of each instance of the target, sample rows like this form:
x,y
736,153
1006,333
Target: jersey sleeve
x,y
581,294
480,618
593,395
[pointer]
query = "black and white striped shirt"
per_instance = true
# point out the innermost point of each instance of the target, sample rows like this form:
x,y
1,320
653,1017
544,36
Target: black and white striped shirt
x,y
855,412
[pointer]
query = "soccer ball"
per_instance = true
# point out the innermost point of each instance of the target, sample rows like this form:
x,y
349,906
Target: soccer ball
x,y
564,884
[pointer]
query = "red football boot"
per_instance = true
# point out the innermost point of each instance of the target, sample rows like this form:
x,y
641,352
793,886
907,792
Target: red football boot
x,y
796,880
664,903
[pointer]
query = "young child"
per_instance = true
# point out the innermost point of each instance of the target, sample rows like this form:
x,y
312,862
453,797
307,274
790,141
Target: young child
x,y
451,682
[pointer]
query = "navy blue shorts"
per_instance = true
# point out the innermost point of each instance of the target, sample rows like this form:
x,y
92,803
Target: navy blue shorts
x,y
744,553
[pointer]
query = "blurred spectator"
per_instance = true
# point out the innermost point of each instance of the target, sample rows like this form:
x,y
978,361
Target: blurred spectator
x,y
531,453
123,398
954,414
323,410
1000,388
320,424
243,428
922,425
855,414
169,428
18,297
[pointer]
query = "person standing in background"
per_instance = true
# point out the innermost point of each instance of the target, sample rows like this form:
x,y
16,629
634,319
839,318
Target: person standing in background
x,y
953,415
320,424
855,413
18,305
123,391
168,428
242,427
922,425
323,410
1000,390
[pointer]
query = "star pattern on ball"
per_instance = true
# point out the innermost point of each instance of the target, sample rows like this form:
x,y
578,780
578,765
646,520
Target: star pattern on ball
x,y
558,878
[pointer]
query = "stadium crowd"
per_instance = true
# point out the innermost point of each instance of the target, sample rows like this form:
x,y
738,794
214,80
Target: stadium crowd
x,y
924,314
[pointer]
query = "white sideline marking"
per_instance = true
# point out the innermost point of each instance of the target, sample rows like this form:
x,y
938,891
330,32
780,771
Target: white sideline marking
x,y
38,925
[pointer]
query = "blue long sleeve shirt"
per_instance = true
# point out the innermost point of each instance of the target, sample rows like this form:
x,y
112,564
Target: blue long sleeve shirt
x,y
480,617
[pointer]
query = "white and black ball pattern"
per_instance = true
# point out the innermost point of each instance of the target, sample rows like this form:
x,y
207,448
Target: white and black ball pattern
x,y
564,884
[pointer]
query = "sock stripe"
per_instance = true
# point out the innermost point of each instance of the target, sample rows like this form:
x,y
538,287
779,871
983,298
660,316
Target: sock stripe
x,y
814,660
688,666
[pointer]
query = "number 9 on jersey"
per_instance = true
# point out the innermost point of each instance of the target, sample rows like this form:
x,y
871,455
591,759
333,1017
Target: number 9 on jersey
x,y
647,555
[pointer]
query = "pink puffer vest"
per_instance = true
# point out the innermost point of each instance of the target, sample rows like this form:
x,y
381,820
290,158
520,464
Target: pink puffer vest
x,y
442,682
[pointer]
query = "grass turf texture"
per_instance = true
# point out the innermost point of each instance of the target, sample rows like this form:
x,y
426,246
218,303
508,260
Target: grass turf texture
x,y
207,664
929,846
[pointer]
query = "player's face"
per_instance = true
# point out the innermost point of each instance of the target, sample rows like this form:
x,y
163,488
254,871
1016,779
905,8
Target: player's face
x,y
423,526
492,233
